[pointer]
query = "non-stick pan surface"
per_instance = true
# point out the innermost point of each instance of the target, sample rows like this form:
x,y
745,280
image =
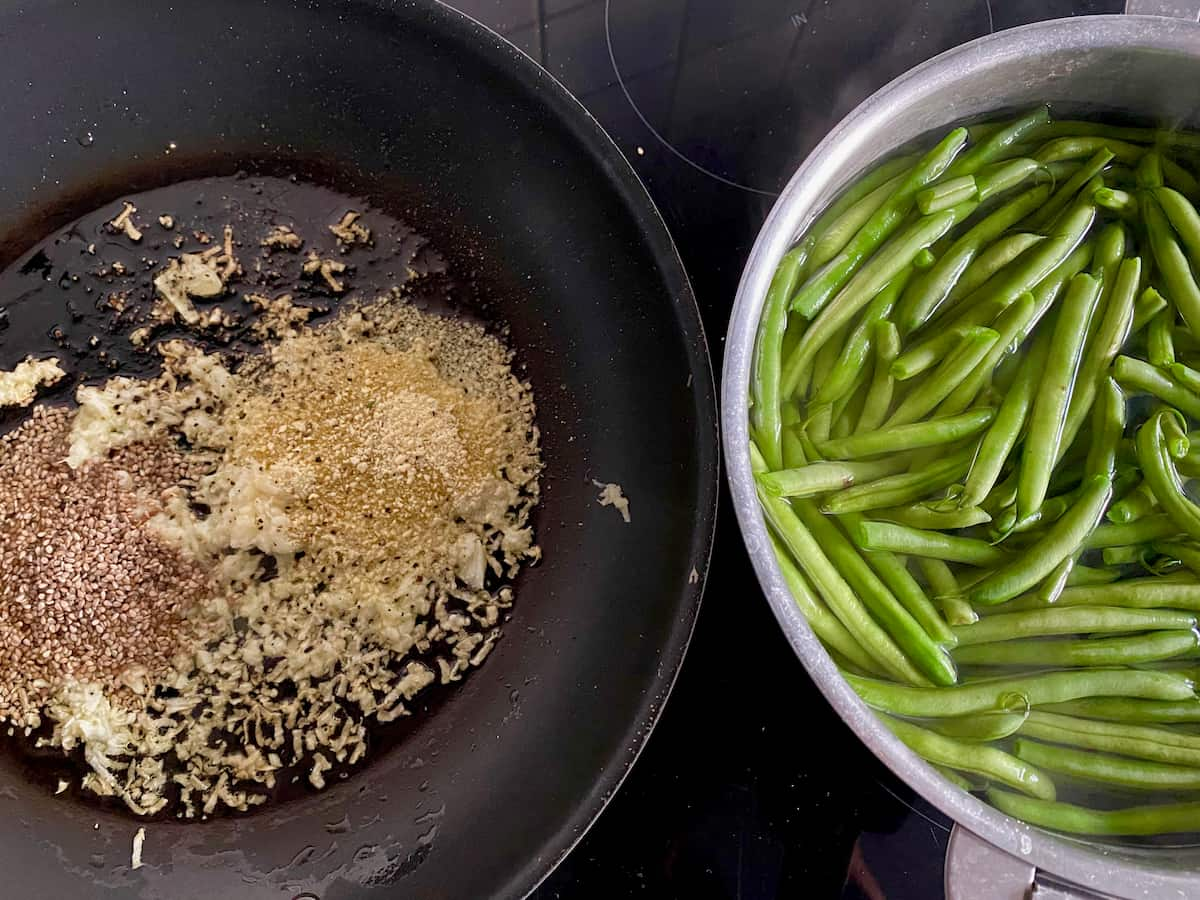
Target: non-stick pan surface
x,y
442,123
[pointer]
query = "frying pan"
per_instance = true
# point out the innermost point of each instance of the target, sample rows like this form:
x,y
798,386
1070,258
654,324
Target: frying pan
x,y
438,120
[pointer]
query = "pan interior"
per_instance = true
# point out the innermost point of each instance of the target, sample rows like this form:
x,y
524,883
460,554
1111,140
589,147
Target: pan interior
x,y
447,129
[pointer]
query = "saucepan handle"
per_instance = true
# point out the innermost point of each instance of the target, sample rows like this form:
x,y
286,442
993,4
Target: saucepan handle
x,y
977,870
1175,9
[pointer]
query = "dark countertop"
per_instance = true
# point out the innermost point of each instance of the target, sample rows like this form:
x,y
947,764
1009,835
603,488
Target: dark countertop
x,y
750,787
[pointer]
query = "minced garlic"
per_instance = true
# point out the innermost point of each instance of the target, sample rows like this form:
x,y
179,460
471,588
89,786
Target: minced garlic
x,y
19,387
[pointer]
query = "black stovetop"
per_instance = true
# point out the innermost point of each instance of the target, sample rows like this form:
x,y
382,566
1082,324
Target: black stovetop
x,y
750,787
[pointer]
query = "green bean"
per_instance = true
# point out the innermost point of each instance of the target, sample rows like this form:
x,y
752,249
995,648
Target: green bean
x,y
1098,355
1149,303
1112,246
918,646
1046,419
1165,818
1172,264
916,542
994,764
893,572
1038,689
1115,200
1122,709
1075,147
1058,620
793,449
1138,741
950,373
1000,142
853,357
1160,347
822,477
1130,554
1139,531
1108,769
1178,178
883,385
1117,651
1175,435
1081,575
767,368
892,490
1060,541
1012,325
1037,265
1135,505
816,293
1001,438
892,439
956,779
1186,554
1003,176
846,409
1185,376
807,551
920,515
1160,474
926,355
865,284
980,728
1149,170
926,293
924,259
824,623
1170,592
946,591
845,225
1070,188
1056,582
990,261
1006,523
1183,218
1160,136
1108,425
946,193
1141,376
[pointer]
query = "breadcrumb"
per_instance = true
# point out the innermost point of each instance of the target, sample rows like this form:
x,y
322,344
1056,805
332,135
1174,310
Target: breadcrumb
x,y
611,495
326,269
124,224
282,237
349,232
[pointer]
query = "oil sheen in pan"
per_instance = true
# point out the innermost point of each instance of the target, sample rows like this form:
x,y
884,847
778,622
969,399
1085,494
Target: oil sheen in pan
x,y
79,294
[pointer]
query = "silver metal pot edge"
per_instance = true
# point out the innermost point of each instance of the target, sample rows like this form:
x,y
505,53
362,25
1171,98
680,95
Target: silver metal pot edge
x,y
1093,866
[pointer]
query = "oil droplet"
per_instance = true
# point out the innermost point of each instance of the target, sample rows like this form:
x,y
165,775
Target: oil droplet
x,y
85,139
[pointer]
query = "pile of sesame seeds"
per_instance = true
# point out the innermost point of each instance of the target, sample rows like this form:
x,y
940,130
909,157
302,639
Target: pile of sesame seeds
x,y
88,592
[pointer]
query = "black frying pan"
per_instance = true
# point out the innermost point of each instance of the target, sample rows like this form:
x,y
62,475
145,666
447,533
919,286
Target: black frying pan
x,y
441,122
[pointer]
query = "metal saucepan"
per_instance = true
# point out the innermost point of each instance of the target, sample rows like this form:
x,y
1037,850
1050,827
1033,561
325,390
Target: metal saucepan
x,y
1140,66
438,121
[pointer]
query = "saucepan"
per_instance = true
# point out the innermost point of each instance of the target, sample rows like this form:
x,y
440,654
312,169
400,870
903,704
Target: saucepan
x,y
1138,66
